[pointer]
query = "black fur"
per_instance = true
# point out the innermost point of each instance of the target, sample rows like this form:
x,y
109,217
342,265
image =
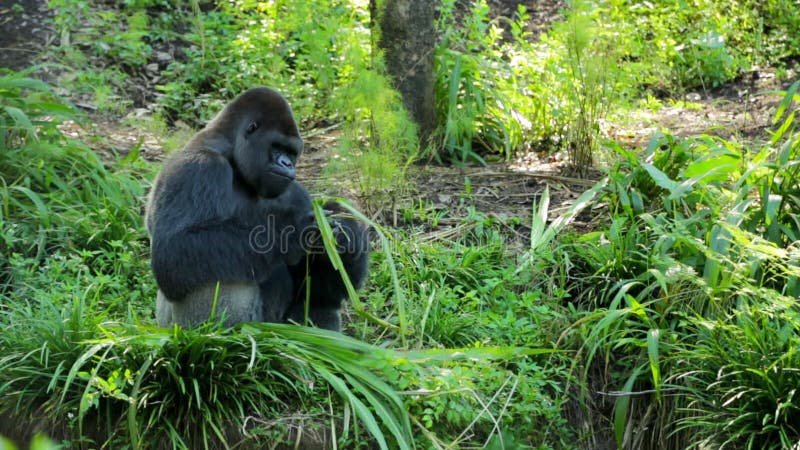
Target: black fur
x,y
226,209
327,289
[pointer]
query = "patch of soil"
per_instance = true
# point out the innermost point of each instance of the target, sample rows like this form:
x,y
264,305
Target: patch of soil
x,y
504,192
25,29
742,109
542,12
109,139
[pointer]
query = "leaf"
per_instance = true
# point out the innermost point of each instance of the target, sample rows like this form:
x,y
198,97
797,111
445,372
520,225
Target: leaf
x,y
39,442
652,355
53,108
656,141
660,178
787,100
621,408
358,406
789,150
539,219
684,187
719,240
778,134
330,247
20,119
769,249
400,430
714,167
12,82
41,208
771,208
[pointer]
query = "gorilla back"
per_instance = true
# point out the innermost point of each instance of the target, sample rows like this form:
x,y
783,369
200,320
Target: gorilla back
x,y
226,210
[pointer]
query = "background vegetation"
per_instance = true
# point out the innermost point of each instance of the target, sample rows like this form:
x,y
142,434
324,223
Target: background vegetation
x,y
671,322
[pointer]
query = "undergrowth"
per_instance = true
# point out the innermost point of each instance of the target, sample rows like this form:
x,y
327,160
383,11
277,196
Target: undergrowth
x,y
83,363
500,92
671,324
690,292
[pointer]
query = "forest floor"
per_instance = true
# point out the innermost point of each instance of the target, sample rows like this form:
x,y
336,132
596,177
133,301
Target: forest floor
x,y
502,190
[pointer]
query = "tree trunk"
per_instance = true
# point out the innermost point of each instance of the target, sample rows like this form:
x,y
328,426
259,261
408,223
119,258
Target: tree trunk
x,y
408,39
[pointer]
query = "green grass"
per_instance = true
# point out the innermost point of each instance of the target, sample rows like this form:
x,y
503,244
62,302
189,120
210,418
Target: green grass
x,y
120,382
83,362
672,323
740,378
698,254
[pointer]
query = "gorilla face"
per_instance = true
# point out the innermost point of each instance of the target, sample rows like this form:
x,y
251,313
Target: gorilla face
x,y
266,159
267,141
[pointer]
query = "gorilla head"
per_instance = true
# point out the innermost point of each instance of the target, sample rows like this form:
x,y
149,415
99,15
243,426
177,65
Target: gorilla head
x,y
265,140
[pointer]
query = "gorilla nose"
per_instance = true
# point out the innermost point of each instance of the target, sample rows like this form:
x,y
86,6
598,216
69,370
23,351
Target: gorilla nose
x,y
284,161
283,166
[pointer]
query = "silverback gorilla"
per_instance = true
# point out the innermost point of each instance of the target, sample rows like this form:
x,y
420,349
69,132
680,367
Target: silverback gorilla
x,y
226,210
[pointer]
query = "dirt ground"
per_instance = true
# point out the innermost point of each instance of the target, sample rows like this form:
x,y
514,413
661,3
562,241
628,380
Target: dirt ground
x,y
542,12
503,190
25,29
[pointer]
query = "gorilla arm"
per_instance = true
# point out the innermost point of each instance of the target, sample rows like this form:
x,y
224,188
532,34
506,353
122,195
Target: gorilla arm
x,y
327,290
353,248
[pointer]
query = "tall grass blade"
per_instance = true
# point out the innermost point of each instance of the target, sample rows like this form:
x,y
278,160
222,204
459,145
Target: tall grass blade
x,y
621,407
785,102
653,356
539,220
330,247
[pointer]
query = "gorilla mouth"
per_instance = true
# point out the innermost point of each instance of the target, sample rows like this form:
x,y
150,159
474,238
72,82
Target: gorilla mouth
x,y
282,174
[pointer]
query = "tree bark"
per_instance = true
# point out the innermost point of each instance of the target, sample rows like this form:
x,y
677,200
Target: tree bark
x,y
408,39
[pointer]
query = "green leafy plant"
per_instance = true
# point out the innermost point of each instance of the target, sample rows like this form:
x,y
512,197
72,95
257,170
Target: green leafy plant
x,y
211,380
481,88
590,58
74,198
740,377
696,236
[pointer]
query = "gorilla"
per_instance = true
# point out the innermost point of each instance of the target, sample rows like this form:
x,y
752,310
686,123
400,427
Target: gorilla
x,y
230,226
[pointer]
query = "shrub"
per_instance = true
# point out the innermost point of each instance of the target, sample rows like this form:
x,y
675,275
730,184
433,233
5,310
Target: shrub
x,y
740,377
701,231
57,194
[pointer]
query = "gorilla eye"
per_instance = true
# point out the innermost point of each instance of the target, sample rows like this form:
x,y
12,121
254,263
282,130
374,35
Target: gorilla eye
x,y
253,126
